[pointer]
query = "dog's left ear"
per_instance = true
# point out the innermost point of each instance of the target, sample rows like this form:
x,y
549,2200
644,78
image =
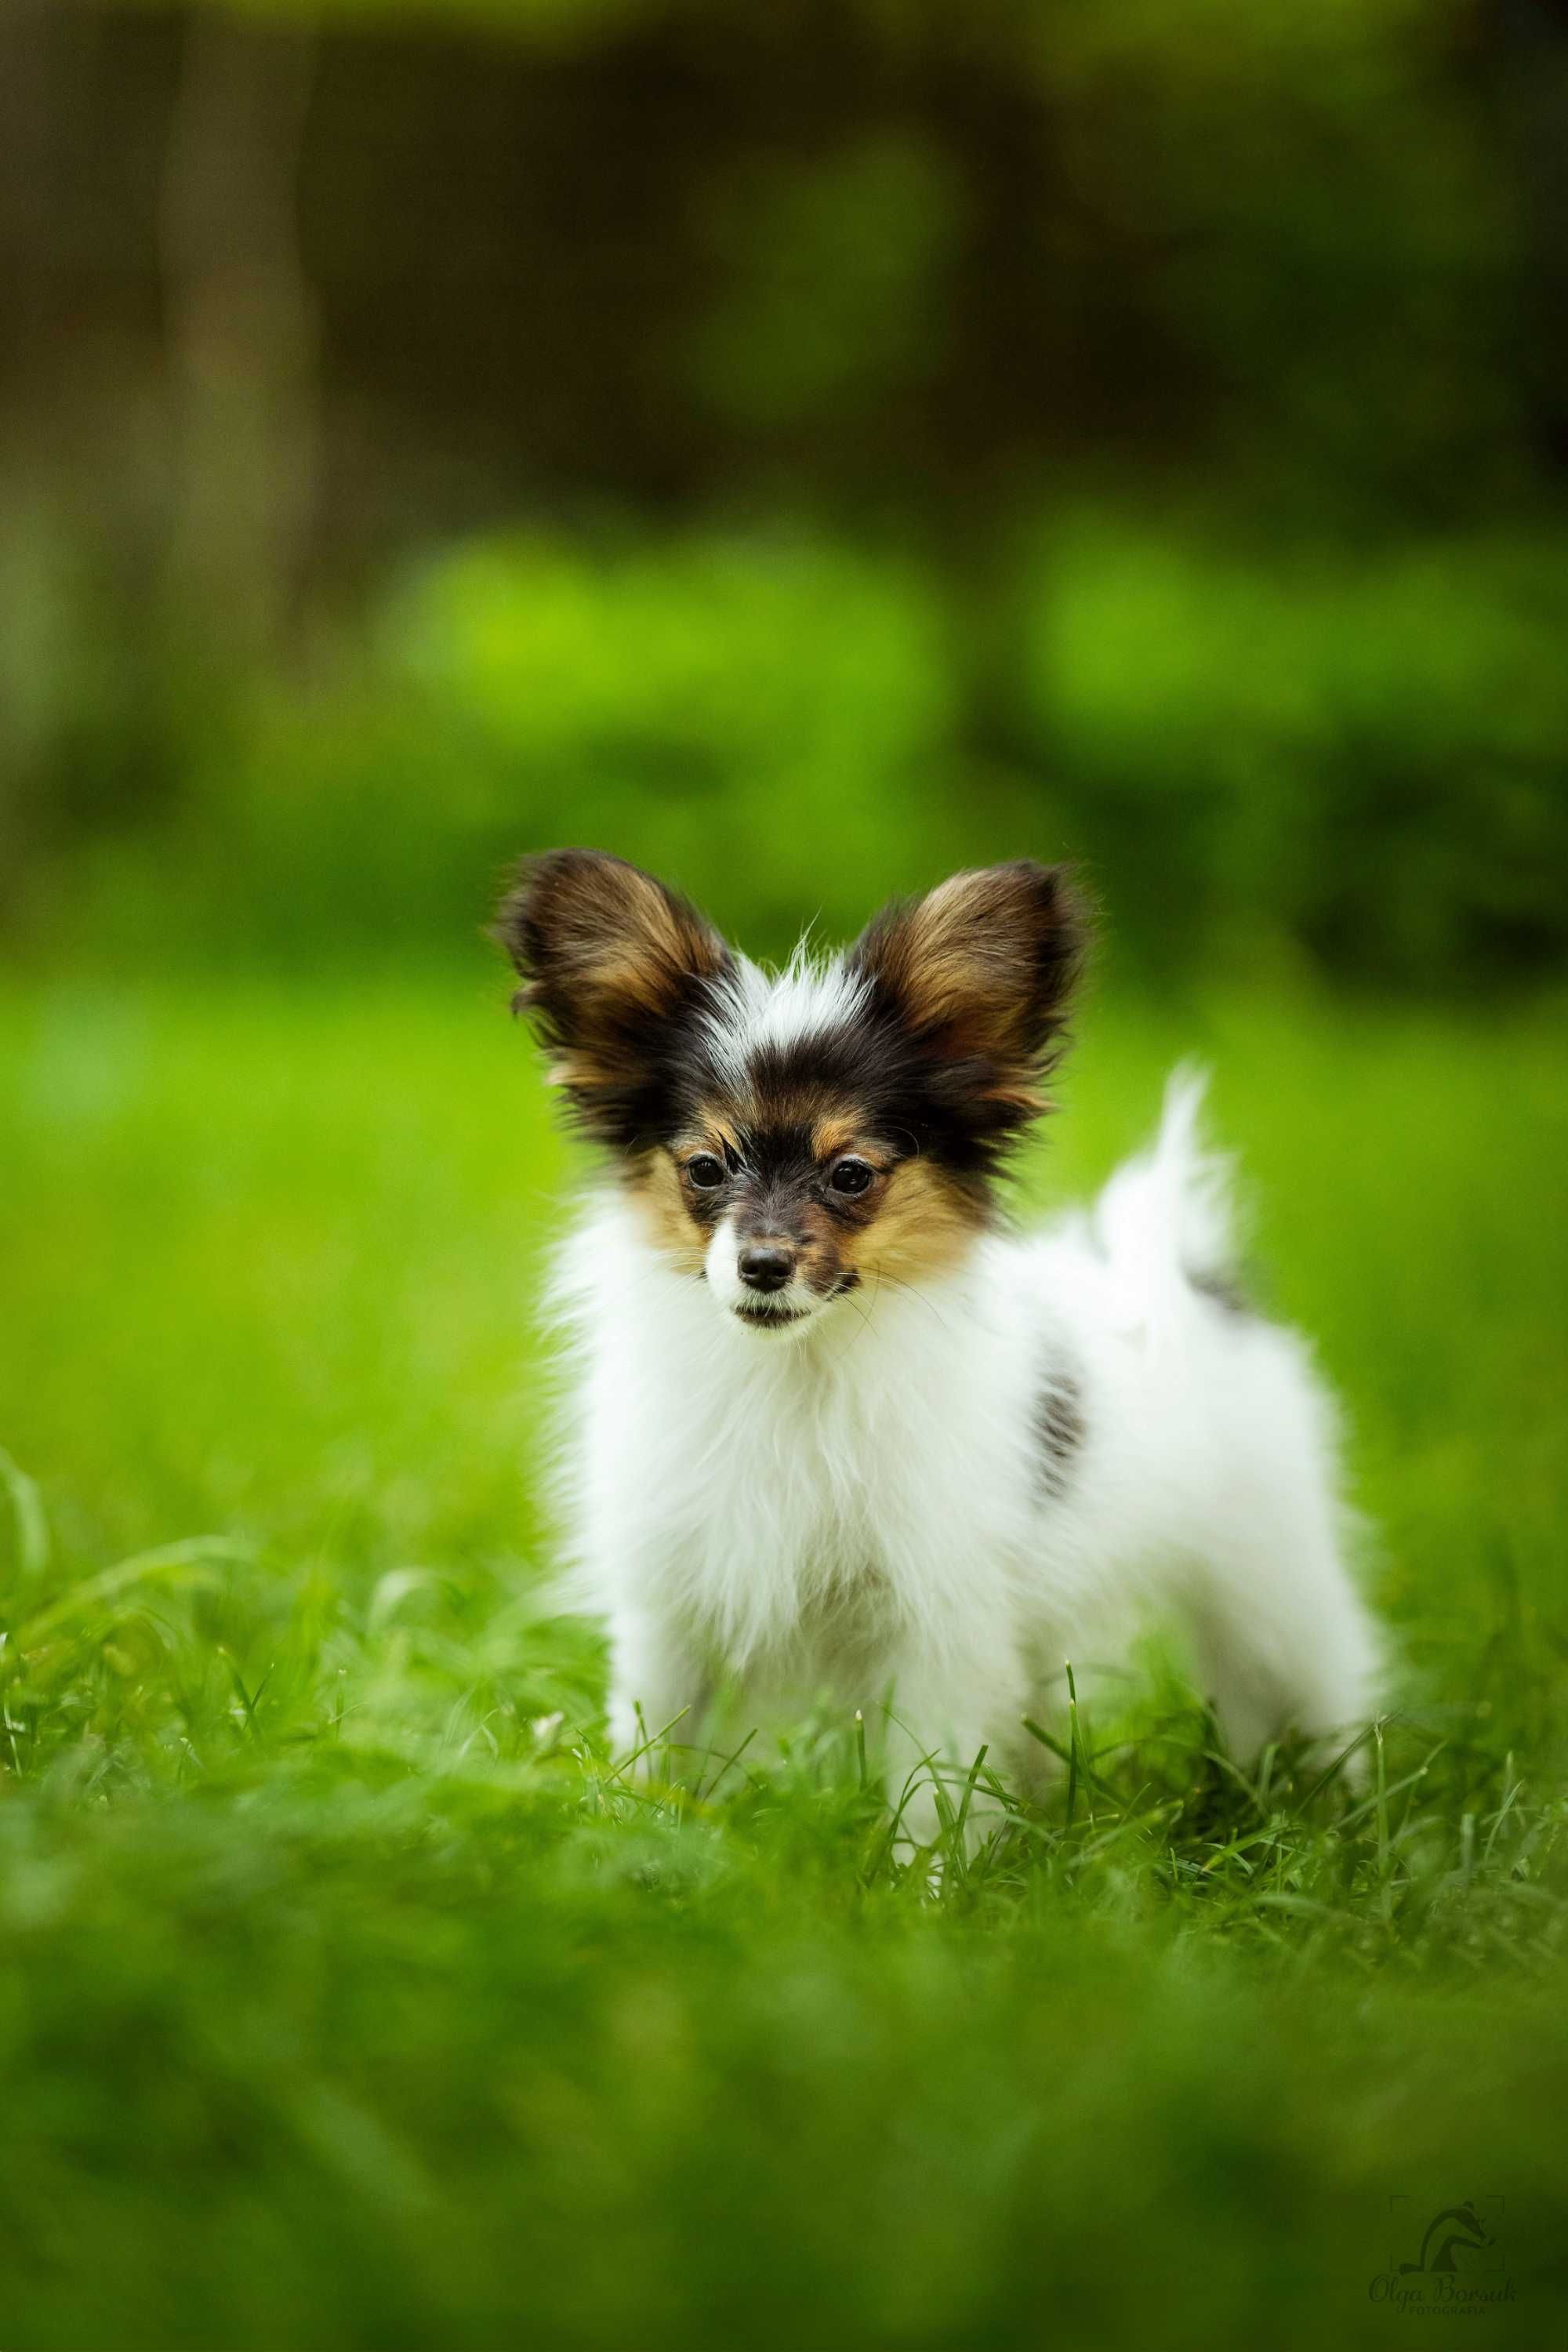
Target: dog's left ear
x,y
982,971
610,960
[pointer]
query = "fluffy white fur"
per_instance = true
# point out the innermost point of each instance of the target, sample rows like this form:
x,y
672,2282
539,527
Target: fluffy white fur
x,y
810,996
863,1512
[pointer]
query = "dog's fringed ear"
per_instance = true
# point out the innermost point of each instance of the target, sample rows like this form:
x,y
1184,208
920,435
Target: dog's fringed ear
x,y
981,971
608,959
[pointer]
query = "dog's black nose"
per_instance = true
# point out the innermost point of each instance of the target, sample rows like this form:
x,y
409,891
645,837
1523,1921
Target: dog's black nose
x,y
766,1265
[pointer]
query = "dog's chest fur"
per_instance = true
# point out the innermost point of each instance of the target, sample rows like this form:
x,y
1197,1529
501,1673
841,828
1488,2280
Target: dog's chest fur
x,y
799,1499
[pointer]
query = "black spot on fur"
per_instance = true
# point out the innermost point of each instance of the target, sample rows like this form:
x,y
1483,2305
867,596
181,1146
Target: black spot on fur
x,y
1059,1429
1224,1288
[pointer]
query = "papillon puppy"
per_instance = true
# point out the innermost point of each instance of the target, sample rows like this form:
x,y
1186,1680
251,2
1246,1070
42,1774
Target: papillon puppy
x,y
838,1432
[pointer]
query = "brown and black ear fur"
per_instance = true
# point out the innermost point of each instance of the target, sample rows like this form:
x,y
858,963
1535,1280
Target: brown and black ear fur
x,y
979,975
612,965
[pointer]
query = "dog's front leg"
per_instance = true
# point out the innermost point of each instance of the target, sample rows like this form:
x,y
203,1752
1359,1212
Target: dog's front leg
x,y
951,1726
658,1693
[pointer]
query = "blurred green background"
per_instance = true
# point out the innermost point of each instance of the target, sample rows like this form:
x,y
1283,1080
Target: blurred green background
x,y
803,448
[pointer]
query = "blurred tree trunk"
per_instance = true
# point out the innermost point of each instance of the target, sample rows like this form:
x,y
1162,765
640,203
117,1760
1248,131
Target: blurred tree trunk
x,y
241,327
1531,40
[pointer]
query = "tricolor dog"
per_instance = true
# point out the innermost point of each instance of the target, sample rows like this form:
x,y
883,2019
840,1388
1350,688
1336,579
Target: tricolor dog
x,y
839,1432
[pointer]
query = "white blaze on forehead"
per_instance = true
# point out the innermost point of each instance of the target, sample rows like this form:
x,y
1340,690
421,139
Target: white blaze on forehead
x,y
805,999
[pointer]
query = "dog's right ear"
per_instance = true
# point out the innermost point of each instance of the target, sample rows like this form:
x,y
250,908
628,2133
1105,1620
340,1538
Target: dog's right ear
x,y
981,972
609,961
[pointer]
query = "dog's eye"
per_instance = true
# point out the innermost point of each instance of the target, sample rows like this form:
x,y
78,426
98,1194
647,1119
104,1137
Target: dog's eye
x,y
850,1175
706,1173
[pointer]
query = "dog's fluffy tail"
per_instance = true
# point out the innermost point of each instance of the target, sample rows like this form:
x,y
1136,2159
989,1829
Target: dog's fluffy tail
x,y
1165,1223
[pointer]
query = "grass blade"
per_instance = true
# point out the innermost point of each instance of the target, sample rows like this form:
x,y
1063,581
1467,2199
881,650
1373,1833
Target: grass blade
x,y
170,1563
31,1525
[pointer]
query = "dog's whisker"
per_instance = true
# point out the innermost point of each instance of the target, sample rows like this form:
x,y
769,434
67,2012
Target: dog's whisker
x,y
899,1283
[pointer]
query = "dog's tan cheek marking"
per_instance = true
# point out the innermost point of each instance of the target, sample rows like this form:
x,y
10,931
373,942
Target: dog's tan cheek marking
x,y
922,1225
657,1193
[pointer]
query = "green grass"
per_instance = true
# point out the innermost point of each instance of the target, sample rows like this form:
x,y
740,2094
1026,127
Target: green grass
x,y
349,1995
